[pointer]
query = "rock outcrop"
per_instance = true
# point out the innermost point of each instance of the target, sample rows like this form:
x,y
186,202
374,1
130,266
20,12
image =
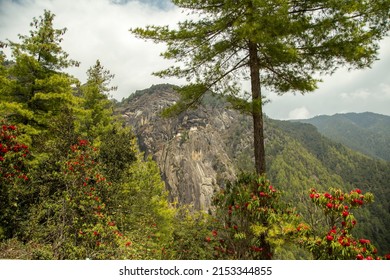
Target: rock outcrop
x,y
190,149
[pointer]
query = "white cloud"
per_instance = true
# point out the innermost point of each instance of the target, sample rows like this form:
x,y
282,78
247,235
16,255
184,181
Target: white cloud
x,y
299,113
361,94
99,30
385,92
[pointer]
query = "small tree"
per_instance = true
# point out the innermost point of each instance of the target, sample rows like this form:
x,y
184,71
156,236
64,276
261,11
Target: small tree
x,y
279,45
97,107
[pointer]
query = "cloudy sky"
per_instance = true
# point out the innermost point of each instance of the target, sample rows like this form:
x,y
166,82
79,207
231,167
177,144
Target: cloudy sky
x,y
98,29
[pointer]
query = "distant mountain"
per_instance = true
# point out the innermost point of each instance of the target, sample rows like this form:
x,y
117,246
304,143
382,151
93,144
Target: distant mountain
x,y
368,133
200,149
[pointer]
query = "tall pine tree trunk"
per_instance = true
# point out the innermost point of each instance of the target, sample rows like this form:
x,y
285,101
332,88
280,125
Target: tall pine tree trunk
x,y
258,128
257,111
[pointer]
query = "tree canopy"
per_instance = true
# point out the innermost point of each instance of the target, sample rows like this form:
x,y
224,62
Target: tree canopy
x,y
281,45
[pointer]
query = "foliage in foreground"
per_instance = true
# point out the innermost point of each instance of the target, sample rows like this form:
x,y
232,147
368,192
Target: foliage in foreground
x,y
255,224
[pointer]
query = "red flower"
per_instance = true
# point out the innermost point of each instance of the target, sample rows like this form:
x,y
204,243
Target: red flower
x,y
208,239
272,189
128,244
214,232
83,142
358,191
257,249
329,205
344,241
1,158
359,257
327,195
312,195
95,233
262,194
345,213
329,237
364,241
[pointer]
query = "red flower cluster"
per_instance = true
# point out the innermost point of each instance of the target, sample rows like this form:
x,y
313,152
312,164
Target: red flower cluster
x,y
8,127
12,154
335,201
83,158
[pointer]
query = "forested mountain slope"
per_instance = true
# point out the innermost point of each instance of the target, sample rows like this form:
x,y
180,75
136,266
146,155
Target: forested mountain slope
x,y
200,149
367,132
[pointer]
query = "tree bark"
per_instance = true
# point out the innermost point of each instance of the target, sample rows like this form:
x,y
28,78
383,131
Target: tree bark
x,y
257,111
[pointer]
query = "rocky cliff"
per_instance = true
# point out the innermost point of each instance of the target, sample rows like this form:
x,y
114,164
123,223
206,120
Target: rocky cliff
x,y
191,150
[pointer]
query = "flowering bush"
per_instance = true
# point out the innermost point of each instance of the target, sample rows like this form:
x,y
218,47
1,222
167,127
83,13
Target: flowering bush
x,y
338,242
13,177
252,221
92,231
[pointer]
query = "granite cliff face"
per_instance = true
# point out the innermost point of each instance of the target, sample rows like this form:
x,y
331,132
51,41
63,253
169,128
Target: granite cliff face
x,y
191,149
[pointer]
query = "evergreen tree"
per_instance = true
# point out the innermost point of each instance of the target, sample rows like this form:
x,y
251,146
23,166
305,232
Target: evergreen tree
x,y
96,105
39,90
279,45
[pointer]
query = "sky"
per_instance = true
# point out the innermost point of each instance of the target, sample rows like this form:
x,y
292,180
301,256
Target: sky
x,y
99,29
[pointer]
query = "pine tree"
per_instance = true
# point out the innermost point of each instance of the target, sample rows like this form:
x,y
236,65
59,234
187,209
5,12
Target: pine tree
x,y
95,102
38,90
280,45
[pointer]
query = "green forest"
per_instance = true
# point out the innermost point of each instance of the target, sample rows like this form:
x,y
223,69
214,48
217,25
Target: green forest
x,y
75,185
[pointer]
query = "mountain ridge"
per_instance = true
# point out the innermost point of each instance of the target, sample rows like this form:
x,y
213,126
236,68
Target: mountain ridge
x,y
368,133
